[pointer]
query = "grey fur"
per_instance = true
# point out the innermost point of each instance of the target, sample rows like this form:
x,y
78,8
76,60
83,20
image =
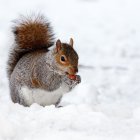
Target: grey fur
x,y
42,67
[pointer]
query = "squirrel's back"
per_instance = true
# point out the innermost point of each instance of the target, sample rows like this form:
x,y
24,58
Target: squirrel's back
x,y
31,34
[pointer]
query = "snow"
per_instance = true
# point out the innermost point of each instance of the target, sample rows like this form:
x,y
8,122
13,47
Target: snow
x,y
106,105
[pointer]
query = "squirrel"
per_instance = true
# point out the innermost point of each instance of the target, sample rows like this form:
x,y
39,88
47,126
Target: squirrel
x,y
40,70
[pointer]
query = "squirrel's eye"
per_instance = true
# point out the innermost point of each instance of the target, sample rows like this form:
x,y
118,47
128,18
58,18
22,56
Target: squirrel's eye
x,y
63,58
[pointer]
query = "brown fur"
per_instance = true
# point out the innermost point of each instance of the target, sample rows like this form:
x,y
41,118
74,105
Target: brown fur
x,y
35,83
71,63
31,34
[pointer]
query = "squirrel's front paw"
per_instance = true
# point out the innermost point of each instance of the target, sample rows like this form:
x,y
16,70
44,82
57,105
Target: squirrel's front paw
x,y
72,82
78,79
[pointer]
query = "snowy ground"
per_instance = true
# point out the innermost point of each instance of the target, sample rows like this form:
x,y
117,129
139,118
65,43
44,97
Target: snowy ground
x,y
106,105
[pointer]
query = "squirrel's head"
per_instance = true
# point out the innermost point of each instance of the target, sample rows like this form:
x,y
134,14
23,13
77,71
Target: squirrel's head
x,y
66,58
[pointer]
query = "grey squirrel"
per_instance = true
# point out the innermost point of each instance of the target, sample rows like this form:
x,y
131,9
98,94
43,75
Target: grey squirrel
x,y
36,73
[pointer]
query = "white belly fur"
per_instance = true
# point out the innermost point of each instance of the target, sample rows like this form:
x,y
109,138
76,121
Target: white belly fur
x,y
40,96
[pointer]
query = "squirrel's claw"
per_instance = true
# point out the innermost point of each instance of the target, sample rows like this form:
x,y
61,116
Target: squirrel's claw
x,y
78,79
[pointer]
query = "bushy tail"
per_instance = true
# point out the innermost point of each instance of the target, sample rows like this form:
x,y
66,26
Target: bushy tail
x,y
32,33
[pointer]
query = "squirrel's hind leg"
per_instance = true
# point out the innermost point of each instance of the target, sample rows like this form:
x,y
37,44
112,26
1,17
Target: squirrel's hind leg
x,y
57,105
14,94
16,97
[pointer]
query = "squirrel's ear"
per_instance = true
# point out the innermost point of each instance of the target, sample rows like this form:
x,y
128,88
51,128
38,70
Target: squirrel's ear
x,y
58,45
71,42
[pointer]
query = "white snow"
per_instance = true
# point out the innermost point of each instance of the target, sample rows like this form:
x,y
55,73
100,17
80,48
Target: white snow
x,y
106,105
